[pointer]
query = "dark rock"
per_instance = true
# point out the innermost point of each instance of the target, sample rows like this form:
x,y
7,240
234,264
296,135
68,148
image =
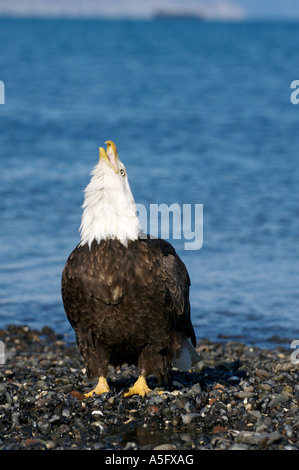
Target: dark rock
x,y
44,427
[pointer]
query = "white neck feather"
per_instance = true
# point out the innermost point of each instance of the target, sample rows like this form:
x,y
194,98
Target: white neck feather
x,y
109,209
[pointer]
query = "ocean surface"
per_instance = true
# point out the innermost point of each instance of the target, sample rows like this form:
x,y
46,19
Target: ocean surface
x,y
201,114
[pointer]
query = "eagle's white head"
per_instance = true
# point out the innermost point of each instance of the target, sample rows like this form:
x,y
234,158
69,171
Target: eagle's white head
x,y
109,209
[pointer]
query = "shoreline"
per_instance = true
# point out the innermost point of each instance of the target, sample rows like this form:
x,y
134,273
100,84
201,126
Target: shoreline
x,y
236,397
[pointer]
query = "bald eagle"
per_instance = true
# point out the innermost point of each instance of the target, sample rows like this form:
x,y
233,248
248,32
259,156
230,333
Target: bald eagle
x,y
125,295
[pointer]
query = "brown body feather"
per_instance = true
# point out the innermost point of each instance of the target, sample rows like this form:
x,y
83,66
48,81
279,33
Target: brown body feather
x,y
127,304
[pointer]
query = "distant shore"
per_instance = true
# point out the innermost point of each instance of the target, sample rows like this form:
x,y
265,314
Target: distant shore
x,y
235,397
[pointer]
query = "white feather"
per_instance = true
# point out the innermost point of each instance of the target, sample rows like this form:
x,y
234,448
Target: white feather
x,y
186,356
109,209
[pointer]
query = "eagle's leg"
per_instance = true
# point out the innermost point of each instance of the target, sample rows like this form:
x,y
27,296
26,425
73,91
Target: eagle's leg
x,y
102,387
139,388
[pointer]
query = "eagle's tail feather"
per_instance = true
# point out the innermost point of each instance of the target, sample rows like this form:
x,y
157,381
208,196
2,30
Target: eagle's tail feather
x,y
187,355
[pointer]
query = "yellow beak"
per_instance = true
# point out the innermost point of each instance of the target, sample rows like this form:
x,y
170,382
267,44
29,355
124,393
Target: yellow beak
x,y
110,155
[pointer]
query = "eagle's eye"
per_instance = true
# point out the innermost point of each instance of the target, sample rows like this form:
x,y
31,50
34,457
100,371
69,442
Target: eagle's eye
x,y
122,172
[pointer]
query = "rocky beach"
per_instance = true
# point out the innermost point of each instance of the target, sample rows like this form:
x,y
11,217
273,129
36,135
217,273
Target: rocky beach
x,y
237,397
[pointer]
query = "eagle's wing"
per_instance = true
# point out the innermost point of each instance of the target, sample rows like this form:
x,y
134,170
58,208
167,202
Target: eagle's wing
x,y
177,283
95,280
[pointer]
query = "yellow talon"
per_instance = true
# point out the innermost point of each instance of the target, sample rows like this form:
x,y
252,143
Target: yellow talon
x,y
102,387
139,388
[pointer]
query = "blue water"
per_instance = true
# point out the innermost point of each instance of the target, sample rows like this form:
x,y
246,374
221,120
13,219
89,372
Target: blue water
x,y
201,114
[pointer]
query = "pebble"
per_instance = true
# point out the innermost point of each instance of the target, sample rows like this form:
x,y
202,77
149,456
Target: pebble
x,y
188,417
238,447
277,399
165,447
44,427
237,397
256,413
258,438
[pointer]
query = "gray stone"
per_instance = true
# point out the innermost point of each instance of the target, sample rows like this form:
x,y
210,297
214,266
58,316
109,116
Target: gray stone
x,y
256,438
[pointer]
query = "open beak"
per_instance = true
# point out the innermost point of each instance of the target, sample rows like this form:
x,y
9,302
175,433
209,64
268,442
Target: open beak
x,y
110,154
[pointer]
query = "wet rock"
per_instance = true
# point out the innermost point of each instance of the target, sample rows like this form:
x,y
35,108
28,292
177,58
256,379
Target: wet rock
x,y
256,438
44,427
239,447
188,417
277,400
165,447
